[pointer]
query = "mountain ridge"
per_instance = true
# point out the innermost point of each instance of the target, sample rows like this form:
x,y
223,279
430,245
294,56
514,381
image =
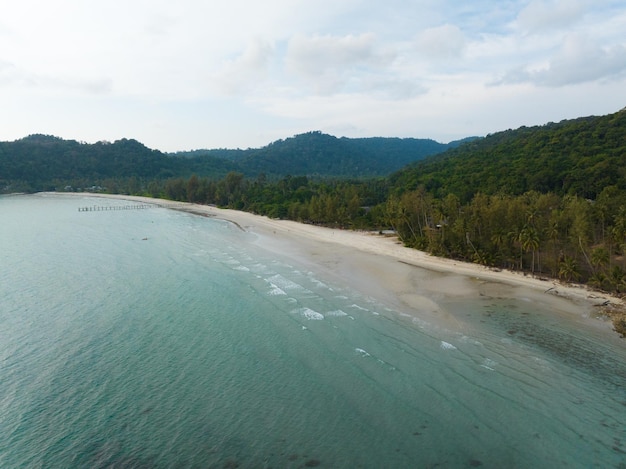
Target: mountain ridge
x,y
39,161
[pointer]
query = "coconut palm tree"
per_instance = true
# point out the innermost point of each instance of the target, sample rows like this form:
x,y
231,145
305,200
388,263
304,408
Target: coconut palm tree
x,y
600,258
568,269
529,239
617,278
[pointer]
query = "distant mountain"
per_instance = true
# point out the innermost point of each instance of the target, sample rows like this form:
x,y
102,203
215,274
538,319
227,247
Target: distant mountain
x,y
221,153
41,162
579,156
319,154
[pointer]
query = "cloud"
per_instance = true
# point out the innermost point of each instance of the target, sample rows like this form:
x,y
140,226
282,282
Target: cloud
x,y
548,15
280,66
395,88
442,42
332,63
579,61
12,76
246,70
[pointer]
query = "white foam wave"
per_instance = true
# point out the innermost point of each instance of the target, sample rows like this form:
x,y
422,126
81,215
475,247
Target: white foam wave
x,y
420,323
489,364
319,283
283,282
470,340
259,267
358,307
275,291
447,346
242,268
337,313
362,352
309,314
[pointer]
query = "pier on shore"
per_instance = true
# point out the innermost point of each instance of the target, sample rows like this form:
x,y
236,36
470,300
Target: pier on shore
x,y
103,208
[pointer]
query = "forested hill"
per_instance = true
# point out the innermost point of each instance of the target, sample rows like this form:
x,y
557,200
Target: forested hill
x,y
578,157
319,154
41,162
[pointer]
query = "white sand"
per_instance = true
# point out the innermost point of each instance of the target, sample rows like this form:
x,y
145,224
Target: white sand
x,y
408,280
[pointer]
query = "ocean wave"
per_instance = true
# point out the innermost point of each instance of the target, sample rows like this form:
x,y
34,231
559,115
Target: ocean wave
x,y
337,313
275,291
309,314
447,346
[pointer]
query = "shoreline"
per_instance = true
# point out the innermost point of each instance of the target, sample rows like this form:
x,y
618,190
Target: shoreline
x,y
404,277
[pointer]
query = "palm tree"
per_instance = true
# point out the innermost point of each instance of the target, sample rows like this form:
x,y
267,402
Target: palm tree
x,y
568,269
617,278
498,239
600,258
529,238
598,280
516,237
553,233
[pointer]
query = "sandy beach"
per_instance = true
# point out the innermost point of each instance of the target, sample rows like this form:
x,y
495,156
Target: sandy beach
x,y
406,279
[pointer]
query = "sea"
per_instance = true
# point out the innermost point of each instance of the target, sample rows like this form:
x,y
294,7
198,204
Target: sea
x,y
155,338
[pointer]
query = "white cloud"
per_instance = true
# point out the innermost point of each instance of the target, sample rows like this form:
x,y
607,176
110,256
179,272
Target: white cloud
x,y
548,15
246,70
578,61
164,71
442,42
12,77
332,63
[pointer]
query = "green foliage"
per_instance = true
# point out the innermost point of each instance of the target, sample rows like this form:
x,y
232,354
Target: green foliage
x,y
337,203
41,162
578,157
318,154
45,162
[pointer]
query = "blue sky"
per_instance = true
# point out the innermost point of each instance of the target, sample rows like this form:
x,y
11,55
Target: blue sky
x,y
196,74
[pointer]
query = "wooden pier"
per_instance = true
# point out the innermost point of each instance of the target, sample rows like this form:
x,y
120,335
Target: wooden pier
x,y
104,208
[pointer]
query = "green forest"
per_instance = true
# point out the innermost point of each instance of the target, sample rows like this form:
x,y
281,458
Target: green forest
x,y
548,200
44,162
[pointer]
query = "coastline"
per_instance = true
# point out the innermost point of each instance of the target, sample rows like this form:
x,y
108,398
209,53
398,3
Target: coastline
x,y
405,278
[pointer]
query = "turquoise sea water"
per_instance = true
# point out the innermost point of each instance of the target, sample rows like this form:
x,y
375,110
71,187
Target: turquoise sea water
x,y
195,347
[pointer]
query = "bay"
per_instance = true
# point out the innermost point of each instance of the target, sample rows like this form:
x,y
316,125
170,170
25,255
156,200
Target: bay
x,y
156,338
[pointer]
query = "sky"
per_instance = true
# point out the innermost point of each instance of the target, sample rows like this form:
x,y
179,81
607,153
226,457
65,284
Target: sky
x,y
192,74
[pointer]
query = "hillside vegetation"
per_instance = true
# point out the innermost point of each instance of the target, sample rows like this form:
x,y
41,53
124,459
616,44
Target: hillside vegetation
x,y
41,162
317,154
578,157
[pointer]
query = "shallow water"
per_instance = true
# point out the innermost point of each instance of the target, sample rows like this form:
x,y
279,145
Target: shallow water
x,y
155,338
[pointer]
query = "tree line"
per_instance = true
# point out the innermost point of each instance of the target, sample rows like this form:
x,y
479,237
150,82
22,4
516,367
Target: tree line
x,y
544,234
566,237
